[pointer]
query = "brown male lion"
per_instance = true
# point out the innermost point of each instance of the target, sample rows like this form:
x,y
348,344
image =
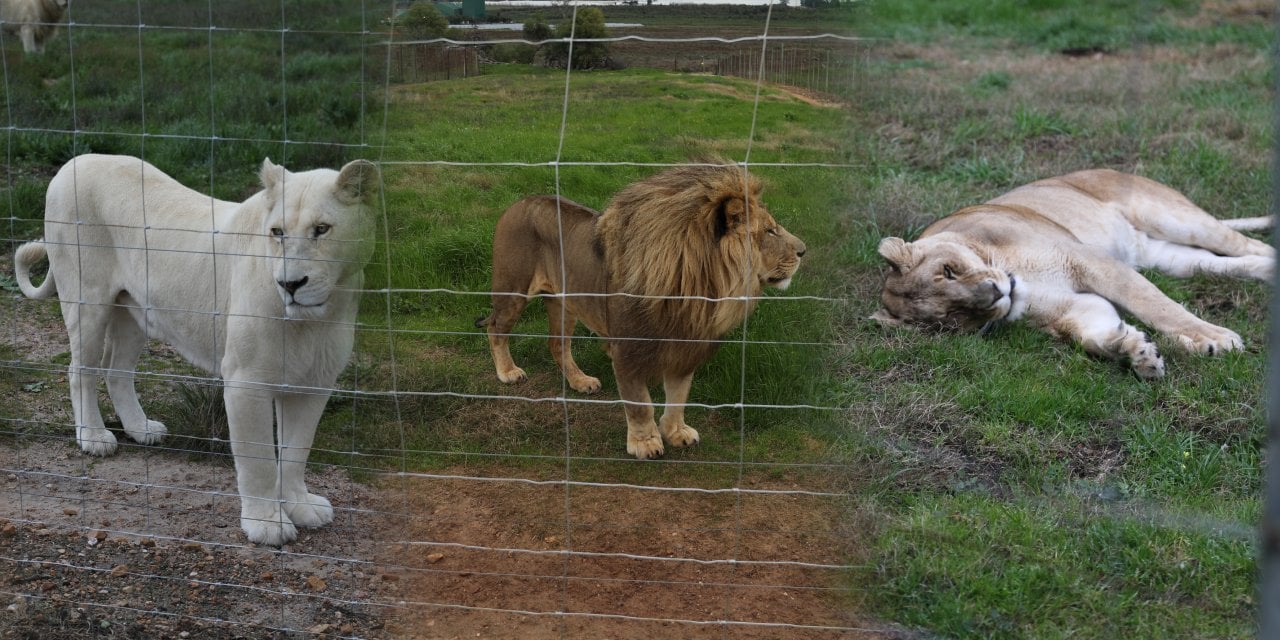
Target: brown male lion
x,y
674,263
1061,253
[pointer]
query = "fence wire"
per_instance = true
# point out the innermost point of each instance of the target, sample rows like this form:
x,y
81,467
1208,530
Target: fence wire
x,y
422,530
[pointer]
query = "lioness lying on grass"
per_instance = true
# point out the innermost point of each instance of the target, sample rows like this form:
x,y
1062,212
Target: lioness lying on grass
x,y
1061,253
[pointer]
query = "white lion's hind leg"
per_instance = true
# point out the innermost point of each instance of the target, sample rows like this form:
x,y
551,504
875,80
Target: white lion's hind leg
x,y
125,341
86,328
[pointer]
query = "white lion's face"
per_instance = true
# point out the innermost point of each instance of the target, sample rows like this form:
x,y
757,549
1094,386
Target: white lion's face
x,y
320,233
941,284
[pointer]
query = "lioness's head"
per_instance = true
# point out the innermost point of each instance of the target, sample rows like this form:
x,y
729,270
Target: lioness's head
x,y
939,283
321,231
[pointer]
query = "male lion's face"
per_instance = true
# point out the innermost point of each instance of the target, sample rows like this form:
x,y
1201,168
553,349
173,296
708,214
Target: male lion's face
x,y
321,232
776,253
941,284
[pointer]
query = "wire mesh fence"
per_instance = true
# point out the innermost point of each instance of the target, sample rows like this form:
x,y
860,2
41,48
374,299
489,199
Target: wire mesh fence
x,y
459,504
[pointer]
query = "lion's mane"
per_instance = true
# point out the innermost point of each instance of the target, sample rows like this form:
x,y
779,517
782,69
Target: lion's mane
x,y
669,240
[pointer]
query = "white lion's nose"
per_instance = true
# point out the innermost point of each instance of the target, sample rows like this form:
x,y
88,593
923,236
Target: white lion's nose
x,y
292,286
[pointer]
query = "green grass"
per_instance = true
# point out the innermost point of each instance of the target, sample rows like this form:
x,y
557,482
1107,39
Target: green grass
x,y
1029,490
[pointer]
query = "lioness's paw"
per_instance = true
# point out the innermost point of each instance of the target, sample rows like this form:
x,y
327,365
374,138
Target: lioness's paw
x,y
585,384
151,433
645,448
269,526
1211,340
1146,362
96,441
311,511
681,435
512,375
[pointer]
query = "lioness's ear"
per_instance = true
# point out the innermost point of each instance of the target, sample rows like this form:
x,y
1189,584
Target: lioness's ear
x,y
885,318
897,253
270,174
357,182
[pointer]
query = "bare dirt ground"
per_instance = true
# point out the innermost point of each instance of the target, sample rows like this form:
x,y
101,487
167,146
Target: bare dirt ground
x,y
147,544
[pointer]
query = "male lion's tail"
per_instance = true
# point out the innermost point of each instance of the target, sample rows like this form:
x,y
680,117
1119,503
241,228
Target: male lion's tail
x,y
27,255
1260,223
483,321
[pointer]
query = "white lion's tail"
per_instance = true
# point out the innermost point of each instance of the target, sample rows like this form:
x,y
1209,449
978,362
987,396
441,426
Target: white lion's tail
x,y
1260,223
27,255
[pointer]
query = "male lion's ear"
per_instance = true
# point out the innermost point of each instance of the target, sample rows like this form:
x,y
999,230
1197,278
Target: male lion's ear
x,y
885,318
897,253
730,212
357,182
271,175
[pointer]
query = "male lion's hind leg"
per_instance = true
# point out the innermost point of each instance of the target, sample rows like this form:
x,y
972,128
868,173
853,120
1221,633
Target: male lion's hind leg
x,y
674,430
1093,322
561,324
125,341
643,439
506,310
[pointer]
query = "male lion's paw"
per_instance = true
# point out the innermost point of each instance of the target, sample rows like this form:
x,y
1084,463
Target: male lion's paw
x,y
680,435
645,448
585,384
266,523
96,441
311,511
1210,340
150,433
512,375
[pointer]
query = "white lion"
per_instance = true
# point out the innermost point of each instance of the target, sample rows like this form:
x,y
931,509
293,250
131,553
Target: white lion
x,y
262,293
35,21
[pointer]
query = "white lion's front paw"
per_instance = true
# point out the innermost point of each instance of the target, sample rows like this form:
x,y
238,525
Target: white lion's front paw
x,y
264,522
311,511
96,441
150,433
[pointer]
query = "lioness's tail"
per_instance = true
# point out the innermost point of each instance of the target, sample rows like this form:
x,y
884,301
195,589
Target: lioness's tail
x,y
1260,223
27,255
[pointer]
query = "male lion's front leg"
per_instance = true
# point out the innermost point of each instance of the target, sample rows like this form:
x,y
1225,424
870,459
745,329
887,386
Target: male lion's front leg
x,y
674,429
643,440
1096,325
298,415
249,418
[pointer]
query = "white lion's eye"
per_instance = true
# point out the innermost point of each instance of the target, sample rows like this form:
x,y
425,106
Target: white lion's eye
x,y
948,273
322,229
277,232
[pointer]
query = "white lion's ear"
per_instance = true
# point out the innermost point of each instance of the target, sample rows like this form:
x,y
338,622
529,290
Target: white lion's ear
x,y
885,318
357,182
271,175
897,252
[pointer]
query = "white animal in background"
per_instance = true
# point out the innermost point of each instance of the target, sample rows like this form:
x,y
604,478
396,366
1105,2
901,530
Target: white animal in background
x,y
263,293
35,21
